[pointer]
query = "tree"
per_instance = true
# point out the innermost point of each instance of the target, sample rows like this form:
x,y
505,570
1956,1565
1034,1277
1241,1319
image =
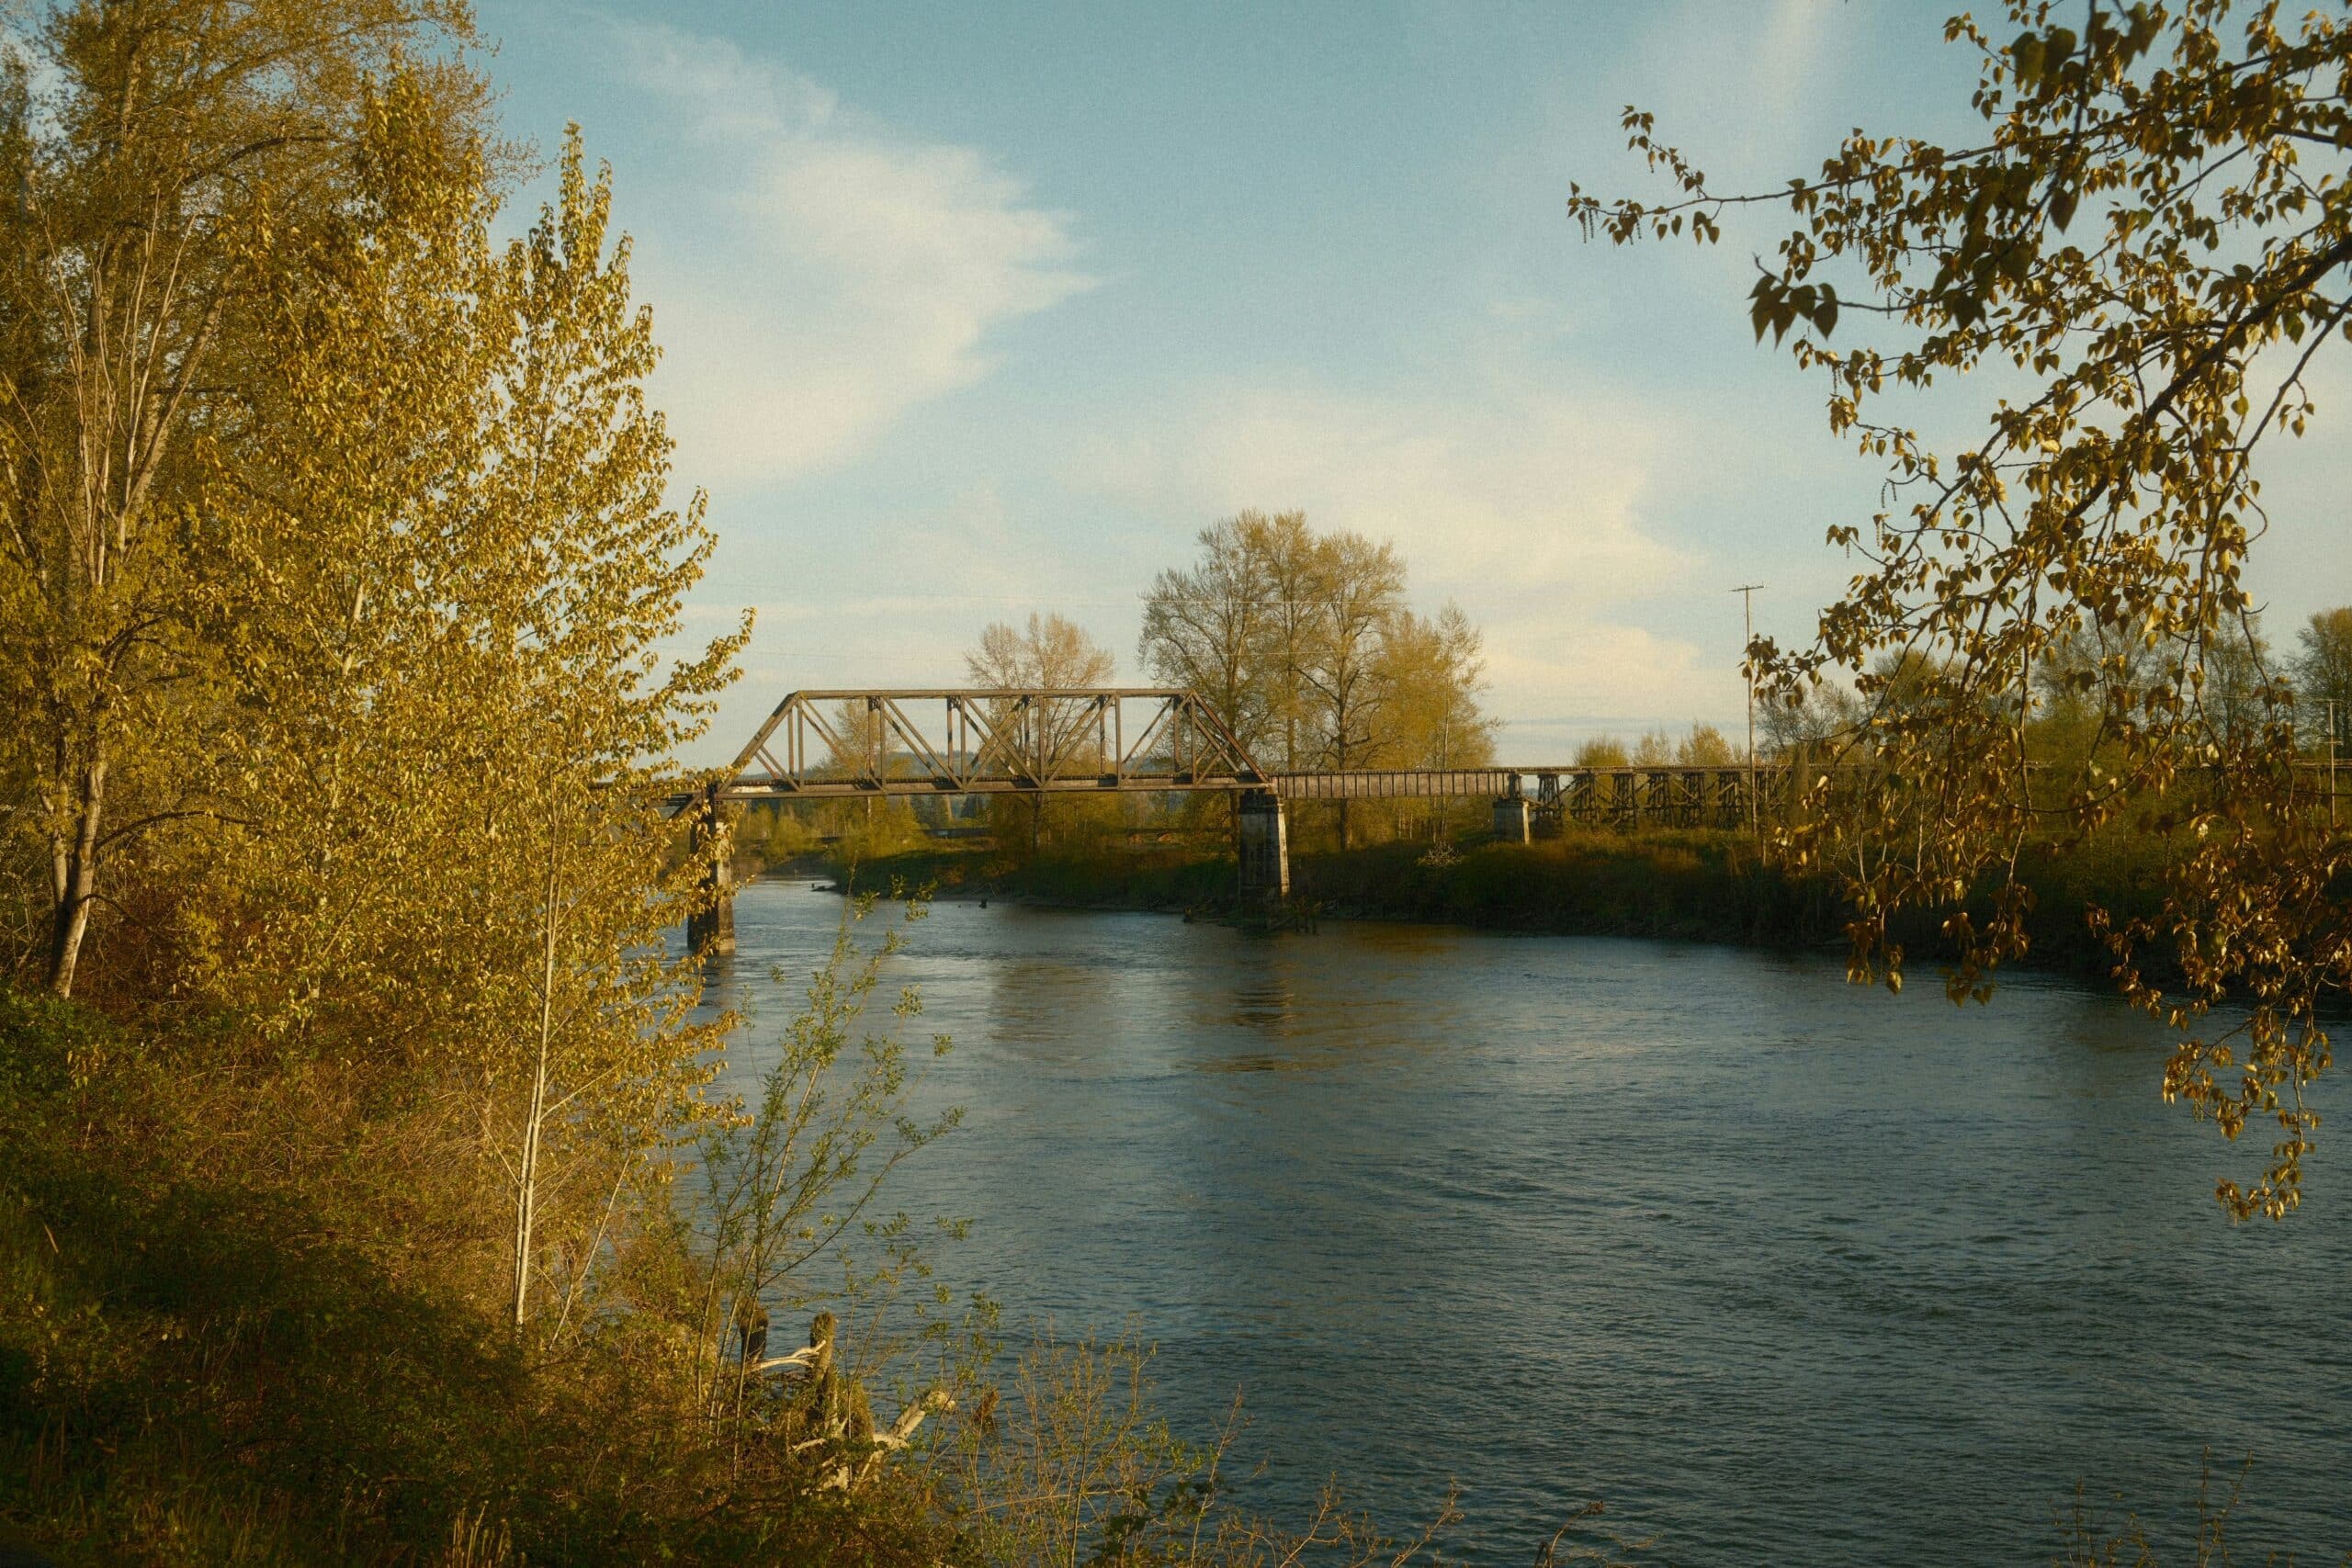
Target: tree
x,y
1303,643
1432,672
1290,559
1206,628
2139,237
161,166
1220,629
337,887
1052,654
441,588
1808,715
2085,684
2323,673
162,153
1705,747
2236,689
1361,589
582,581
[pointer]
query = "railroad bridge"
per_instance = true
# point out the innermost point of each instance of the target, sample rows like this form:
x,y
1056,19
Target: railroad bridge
x,y
1041,741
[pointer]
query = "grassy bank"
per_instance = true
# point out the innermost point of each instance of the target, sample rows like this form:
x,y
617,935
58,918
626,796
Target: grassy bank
x,y
241,1326
241,1332
1700,885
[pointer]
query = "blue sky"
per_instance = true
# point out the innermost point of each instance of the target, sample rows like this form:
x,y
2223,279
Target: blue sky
x,y
974,310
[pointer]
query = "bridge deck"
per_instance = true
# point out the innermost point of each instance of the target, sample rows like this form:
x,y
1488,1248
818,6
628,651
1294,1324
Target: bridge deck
x,y
1534,783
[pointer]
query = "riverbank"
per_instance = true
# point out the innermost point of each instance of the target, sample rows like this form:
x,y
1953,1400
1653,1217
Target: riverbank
x,y
1688,885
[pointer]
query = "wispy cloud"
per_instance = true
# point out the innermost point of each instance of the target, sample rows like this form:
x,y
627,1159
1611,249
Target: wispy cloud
x,y
845,272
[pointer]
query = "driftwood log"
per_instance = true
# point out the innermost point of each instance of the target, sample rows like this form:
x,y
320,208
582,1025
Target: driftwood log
x,y
829,1415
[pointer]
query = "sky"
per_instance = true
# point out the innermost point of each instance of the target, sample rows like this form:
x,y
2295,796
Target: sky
x,y
969,312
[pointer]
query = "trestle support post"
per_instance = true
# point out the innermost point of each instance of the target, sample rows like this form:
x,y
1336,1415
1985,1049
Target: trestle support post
x,y
1265,847
710,926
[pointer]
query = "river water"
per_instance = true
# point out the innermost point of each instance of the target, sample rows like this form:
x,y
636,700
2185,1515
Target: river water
x,y
1783,1269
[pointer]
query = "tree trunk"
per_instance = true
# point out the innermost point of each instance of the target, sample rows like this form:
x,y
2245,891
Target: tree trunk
x,y
526,1195
76,875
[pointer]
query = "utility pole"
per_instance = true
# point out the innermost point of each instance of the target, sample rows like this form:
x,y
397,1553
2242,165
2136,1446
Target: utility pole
x,y
2330,761
1747,593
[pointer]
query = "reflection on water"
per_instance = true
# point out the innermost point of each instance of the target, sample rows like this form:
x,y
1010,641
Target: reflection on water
x,y
1784,1269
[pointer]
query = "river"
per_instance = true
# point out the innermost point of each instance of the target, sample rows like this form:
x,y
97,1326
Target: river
x,y
1783,1269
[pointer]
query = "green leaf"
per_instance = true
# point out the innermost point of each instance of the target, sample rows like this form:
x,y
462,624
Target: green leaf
x,y
2025,57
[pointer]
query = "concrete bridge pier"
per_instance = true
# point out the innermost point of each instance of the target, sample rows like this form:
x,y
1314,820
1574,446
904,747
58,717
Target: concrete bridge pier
x,y
1265,847
710,929
1511,821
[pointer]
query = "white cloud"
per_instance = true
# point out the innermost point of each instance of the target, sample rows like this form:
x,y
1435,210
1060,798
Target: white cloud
x,y
845,273
1528,511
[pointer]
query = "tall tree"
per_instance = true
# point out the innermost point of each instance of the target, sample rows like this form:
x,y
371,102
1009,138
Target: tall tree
x,y
1206,627
1288,558
1051,653
1431,669
349,769
1360,587
445,584
583,583
1303,642
2142,239
162,153
2323,673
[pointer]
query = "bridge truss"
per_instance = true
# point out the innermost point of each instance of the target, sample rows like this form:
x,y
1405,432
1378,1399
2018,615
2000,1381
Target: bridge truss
x,y
1045,740
1038,741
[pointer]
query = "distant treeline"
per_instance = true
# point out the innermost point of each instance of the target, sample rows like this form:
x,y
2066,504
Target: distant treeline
x,y
2087,686
1687,884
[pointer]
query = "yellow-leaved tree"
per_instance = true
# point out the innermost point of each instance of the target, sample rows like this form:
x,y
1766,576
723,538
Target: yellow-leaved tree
x,y
445,586
1050,653
162,157
592,565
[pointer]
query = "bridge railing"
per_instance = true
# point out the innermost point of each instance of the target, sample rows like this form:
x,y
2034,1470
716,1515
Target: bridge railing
x,y
1396,783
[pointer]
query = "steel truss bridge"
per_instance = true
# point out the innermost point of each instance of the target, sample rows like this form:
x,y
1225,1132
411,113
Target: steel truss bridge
x,y
864,744
1042,741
